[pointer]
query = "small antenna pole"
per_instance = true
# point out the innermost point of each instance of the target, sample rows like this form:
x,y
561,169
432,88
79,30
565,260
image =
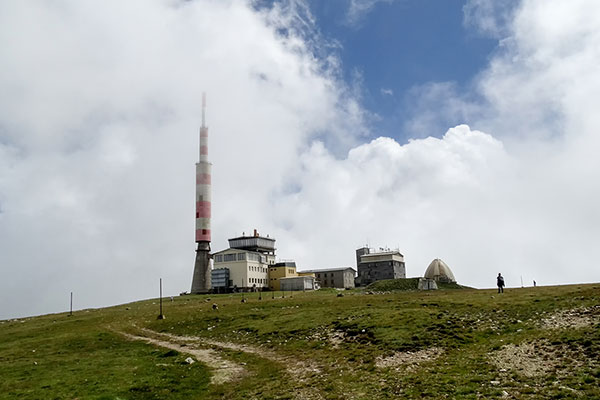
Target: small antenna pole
x,y
71,312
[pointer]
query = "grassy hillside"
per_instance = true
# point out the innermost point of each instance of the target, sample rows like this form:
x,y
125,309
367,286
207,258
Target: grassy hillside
x,y
539,342
388,285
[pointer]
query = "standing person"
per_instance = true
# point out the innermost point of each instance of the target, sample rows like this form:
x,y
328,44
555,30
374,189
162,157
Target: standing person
x,y
500,283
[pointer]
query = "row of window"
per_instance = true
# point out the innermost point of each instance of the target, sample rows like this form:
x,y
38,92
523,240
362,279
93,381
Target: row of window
x,y
257,280
289,271
240,257
257,269
325,275
252,242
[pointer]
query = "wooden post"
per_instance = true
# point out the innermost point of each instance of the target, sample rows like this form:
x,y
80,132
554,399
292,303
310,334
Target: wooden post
x,y
161,315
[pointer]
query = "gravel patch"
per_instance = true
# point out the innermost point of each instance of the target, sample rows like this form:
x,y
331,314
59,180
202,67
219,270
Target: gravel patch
x,y
408,359
575,318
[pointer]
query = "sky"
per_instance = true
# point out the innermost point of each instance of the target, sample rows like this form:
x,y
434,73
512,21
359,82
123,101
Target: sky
x,y
461,130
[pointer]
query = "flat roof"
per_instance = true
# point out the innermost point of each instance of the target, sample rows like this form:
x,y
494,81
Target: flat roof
x,y
236,250
252,237
382,253
328,269
284,264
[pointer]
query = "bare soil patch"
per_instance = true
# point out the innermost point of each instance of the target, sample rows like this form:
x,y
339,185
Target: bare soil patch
x,y
223,369
528,359
539,358
408,359
301,370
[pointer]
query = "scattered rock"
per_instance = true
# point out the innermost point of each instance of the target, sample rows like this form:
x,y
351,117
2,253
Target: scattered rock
x,y
575,318
408,359
190,360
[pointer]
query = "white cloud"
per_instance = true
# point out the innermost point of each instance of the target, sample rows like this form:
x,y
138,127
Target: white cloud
x,y
99,122
387,92
418,196
489,17
525,208
357,9
98,140
434,106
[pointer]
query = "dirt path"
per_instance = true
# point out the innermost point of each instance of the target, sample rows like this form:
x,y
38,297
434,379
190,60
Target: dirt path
x,y
301,370
223,370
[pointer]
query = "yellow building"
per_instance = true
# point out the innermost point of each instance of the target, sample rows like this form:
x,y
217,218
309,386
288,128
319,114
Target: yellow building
x,y
280,270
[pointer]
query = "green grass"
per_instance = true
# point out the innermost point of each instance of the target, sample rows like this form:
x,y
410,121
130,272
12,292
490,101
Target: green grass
x,y
340,338
389,285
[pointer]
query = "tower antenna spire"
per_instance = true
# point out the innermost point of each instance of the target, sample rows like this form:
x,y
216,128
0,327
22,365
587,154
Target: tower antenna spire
x,y
203,109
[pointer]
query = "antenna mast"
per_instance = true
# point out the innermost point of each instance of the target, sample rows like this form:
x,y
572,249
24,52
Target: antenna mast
x,y
203,108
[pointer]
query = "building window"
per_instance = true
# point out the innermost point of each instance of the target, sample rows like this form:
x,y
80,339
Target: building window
x,y
228,257
219,258
241,256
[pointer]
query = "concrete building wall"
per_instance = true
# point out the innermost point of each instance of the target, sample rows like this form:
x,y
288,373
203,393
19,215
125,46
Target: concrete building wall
x,y
379,257
379,266
337,278
203,201
246,269
277,272
297,283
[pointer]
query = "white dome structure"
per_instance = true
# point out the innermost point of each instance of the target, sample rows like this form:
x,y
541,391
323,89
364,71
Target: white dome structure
x,y
439,271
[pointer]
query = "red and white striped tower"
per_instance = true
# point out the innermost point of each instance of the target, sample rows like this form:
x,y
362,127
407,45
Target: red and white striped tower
x,y
201,278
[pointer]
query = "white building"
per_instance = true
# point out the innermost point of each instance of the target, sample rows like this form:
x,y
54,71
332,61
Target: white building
x,y
247,259
296,283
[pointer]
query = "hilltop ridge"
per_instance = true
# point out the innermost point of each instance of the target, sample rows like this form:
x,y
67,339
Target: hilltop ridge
x,y
534,343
